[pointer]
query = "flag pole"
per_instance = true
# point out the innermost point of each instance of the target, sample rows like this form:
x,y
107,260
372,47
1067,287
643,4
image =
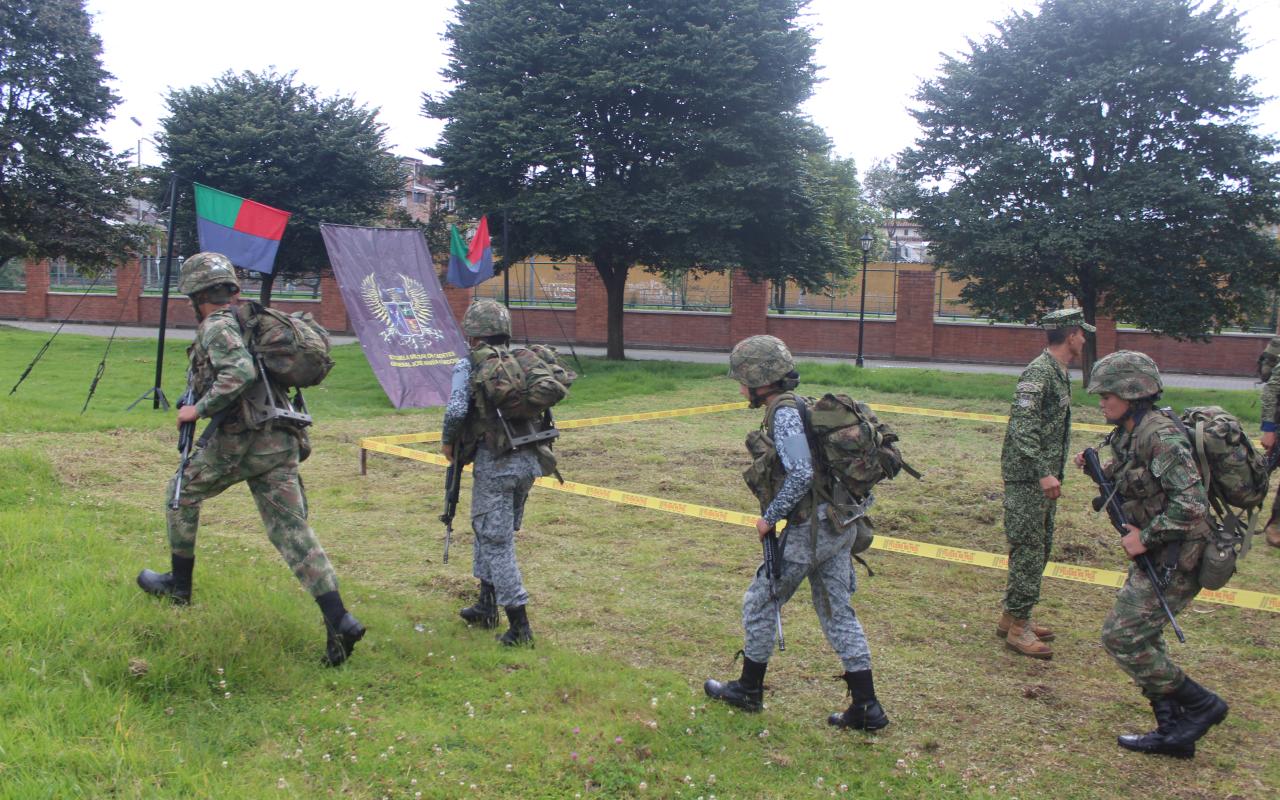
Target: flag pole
x,y
506,264
158,400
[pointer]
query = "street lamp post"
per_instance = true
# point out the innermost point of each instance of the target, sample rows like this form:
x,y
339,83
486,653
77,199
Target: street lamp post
x,y
865,241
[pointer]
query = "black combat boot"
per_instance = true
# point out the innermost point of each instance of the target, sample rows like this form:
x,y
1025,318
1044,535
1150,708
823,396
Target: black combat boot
x,y
342,630
1154,743
1201,710
519,631
175,585
747,692
485,612
864,713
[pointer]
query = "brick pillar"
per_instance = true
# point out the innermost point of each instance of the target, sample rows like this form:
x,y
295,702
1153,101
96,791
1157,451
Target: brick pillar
x,y
37,302
913,332
591,312
458,298
1105,337
128,290
750,310
333,311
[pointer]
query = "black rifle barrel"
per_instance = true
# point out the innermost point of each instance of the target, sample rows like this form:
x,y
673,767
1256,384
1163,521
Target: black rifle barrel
x,y
773,572
1112,501
452,487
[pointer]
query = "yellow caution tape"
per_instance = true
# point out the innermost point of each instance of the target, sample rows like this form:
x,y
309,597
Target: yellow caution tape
x,y
958,555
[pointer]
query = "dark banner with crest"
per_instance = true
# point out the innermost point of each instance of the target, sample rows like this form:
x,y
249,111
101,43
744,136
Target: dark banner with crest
x,y
398,310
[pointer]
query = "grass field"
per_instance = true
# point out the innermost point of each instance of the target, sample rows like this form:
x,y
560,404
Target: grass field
x,y
104,692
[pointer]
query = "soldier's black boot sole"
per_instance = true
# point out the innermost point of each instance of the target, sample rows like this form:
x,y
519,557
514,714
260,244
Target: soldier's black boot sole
x,y
864,712
747,698
163,585
485,611
747,692
1166,711
340,639
518,632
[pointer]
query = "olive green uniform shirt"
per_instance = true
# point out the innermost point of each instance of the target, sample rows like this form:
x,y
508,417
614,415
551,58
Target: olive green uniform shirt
x,y
1035,442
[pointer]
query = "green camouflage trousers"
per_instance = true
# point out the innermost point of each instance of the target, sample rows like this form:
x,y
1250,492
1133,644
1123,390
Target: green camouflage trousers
x,y
268,462
1134,630
1028,525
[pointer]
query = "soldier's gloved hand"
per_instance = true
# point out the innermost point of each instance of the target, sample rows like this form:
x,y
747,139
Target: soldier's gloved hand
x,y
1051,487
1268,440
187,414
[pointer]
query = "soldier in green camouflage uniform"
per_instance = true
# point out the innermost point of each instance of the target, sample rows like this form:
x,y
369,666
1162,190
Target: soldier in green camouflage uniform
x,y
1031,463
1155,473
222,370
1270,398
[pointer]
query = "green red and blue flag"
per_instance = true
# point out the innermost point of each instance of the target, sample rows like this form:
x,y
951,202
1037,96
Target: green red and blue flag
x,y
467,267
246,232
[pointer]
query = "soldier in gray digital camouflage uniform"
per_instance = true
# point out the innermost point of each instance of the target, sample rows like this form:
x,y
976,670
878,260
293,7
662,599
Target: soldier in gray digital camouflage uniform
x,y
812,546
1155,473
222,371
503,478
1031,463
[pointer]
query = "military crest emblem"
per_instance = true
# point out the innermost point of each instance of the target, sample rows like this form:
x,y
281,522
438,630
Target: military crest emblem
x,y
404,311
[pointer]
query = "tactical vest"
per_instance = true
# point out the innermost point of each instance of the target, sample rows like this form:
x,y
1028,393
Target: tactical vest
x,y
203,377
1144,496
766,474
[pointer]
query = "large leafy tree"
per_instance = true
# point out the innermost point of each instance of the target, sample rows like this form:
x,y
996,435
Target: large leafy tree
x,y
649,132
1102,150
62,191
269,138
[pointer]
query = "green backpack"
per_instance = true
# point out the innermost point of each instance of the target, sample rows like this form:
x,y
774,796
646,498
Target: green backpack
x,y
1268,359
1235,477
293,348
521,382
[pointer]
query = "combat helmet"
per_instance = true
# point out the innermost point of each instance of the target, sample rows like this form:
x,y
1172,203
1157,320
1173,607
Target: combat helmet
x,y
486,318
1127,374
760,361
203,270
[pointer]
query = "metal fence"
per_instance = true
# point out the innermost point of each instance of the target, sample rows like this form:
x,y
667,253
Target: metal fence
x,y
13,275
535,283
153,274
291,287
844,299
65,277
685,291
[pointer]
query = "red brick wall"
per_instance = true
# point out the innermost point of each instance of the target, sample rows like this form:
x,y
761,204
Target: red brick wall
x,y
833,336
915,334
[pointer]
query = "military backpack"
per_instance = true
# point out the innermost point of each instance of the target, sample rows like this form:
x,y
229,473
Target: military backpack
x,y
292,348
1234,474
520,383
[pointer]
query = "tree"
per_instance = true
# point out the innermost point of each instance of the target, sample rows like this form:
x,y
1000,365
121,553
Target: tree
x,y
268,138
648,132
62,191
889,189
1102,150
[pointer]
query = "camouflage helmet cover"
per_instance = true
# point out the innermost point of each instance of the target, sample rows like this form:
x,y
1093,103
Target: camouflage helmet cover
x,y
203,270
759,361
486,318
1065,318
1127,374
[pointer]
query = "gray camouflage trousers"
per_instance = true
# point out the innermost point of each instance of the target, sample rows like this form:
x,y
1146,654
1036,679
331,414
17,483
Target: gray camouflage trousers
x,y
824,560
268,462
1028,525
498,497
1133,632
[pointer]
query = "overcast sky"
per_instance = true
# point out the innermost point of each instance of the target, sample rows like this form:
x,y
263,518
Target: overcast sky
x,y
386,53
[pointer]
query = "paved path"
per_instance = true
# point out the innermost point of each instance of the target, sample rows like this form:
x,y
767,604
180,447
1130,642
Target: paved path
x,y
699,356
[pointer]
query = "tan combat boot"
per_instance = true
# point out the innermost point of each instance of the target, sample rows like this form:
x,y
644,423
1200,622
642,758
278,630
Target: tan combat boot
x,y
1042,633
1273,533
1021,639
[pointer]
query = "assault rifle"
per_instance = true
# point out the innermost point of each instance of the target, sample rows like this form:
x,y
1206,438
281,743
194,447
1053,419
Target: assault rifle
x,y
187,438
1273,457
452,487
773,571
1109,499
